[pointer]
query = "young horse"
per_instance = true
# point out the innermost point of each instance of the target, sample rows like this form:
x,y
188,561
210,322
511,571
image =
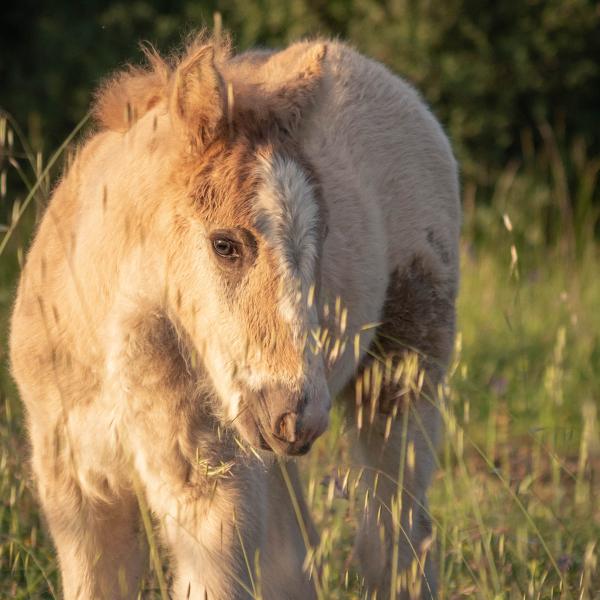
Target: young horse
x,y
198,290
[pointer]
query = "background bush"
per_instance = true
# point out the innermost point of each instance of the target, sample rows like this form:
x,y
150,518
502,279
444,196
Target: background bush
x,y
492,71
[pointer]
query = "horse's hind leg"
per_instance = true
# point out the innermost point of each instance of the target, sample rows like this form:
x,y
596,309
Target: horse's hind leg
x,y
99,550
398,415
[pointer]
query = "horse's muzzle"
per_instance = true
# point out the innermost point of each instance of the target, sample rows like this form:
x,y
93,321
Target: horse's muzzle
x,y
284,422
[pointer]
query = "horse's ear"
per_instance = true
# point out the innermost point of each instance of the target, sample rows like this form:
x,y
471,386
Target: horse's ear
x,y
197,97
292,80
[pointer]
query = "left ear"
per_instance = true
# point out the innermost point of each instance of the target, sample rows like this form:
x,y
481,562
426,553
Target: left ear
x,y
197,97
291,81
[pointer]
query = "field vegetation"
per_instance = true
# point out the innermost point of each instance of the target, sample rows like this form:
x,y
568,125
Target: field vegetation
x,y
516,500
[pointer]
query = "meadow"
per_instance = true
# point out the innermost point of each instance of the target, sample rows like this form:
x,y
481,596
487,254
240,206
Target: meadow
x,y
516,499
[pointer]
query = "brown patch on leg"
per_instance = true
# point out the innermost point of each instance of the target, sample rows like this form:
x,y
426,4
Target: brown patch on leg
x,y
418,313
417,321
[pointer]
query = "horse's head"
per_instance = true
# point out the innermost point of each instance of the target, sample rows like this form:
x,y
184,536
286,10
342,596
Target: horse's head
x,y
241,228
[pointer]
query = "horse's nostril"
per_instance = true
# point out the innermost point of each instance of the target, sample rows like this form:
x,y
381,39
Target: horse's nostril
x,y
285,429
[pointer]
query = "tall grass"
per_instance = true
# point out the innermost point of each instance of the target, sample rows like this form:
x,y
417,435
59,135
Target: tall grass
x,y
515,502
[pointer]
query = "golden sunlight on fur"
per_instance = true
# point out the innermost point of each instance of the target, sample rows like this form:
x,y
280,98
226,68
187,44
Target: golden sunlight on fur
x,y
204,281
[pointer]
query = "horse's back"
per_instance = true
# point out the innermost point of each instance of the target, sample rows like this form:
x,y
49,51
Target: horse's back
x,y
379,130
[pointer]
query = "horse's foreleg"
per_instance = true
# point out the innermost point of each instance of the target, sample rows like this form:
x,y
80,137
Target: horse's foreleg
x,y
398,415
95,531
394,541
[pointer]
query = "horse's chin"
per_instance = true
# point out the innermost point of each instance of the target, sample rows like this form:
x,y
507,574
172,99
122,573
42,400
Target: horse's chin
x,y
256,435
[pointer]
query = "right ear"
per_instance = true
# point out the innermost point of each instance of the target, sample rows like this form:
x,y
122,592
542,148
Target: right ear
x,y
197,99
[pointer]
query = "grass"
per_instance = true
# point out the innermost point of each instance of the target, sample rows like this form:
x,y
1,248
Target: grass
x,y
516,500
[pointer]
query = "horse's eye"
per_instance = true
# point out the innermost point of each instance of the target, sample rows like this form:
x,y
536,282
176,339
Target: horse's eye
x,y
226,248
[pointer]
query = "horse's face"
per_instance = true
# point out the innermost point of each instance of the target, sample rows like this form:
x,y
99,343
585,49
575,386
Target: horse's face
x,y
244,255
259,232
238,229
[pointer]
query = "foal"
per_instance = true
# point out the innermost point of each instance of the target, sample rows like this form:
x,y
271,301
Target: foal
x,y
198,290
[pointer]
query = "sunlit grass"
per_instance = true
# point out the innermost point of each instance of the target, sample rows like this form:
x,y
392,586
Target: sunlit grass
x,y
515,502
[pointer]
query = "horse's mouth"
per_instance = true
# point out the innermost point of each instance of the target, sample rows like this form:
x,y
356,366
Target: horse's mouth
x,y
252,432
283,423
255,435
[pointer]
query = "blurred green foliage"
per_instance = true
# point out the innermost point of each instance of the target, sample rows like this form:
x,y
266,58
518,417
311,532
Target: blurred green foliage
x,y
493,72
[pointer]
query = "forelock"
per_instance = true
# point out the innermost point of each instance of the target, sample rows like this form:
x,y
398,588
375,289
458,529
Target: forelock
x,y
225,183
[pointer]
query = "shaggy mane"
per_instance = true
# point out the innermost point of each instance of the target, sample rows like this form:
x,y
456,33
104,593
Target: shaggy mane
x,y
259,90
130,93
